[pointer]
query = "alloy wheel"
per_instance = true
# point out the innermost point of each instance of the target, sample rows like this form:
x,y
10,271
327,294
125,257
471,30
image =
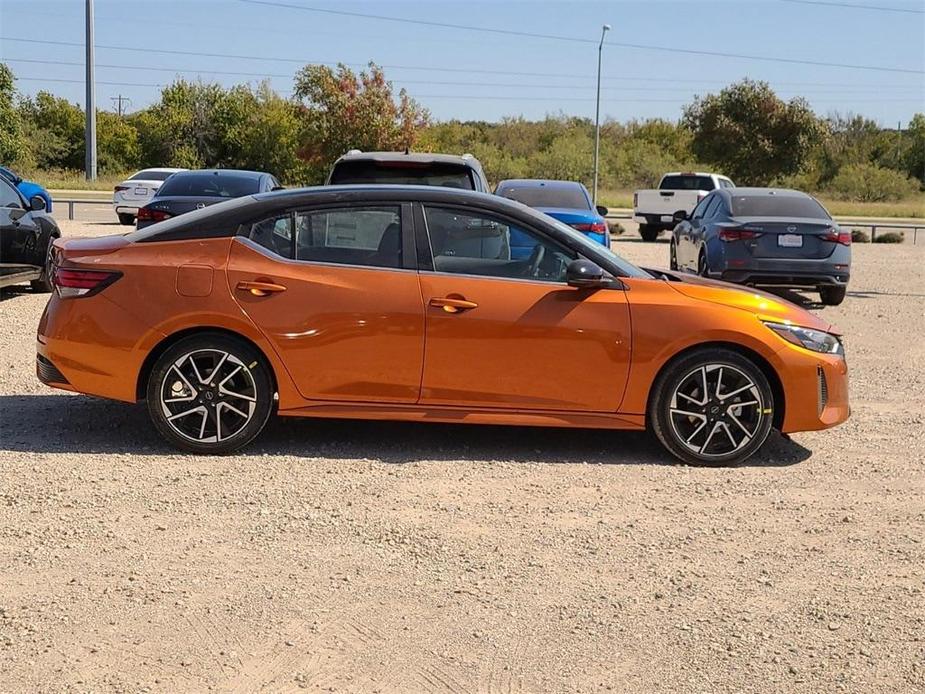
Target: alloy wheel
x,y
716,410
208,395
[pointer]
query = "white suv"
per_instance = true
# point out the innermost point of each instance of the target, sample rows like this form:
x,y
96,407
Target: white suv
x,y
137,191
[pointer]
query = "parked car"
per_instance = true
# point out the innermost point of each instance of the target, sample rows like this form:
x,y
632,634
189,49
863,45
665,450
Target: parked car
x,y
409,168
769,237
567,201
136,191
654,209
319,303
192,190
29,189
26,232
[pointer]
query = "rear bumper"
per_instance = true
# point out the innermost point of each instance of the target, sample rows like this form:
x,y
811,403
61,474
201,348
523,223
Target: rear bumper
x,y
784,279
654,220
734,265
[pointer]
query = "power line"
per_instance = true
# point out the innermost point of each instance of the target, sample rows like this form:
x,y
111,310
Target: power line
x,y
878,8
575,39
844,88
121,66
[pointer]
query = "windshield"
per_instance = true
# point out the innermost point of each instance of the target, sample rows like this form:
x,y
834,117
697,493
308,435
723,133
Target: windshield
x,y
777,206
686,182
151,175
402,173
584,244
209,184
572,197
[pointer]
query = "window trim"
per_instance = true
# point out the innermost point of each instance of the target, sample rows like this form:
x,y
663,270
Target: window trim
x,y
430,268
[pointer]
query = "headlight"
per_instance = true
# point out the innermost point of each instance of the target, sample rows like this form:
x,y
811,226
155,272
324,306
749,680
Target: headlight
x,y
816,340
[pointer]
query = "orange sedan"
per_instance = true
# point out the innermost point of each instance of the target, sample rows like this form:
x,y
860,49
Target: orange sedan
x,y
404,303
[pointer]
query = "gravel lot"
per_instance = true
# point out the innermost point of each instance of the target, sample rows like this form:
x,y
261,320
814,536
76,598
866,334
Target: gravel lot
x,y
352,556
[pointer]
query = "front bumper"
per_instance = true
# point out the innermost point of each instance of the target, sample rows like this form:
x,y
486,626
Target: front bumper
x,y
815,391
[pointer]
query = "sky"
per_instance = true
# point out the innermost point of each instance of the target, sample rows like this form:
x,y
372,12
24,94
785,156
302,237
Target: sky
x,y
657,56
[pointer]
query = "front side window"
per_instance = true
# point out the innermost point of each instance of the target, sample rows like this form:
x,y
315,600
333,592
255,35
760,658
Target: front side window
x,y
475,244
351,236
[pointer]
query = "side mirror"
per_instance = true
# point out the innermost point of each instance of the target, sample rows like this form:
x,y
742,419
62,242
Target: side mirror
x,y
37,202
601,210
679,216
585,274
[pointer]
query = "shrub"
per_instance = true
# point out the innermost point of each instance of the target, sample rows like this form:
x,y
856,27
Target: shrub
x,y
871,183
616,229
890,237
859,236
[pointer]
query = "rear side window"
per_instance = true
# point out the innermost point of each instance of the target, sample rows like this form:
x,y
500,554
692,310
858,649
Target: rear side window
x,y
149,175
402,173
777,206
216,185
572,197
687,182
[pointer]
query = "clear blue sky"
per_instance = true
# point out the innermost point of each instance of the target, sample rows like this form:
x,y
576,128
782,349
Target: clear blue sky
x,y
638,82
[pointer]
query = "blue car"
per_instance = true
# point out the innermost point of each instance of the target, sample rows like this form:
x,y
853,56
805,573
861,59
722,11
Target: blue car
x,y
28,189
567,201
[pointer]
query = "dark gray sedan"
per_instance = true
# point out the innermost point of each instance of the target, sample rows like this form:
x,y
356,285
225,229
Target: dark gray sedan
x,y
771,237
186,191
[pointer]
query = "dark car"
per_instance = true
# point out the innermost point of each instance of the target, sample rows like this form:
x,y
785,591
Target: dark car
x,y
770,237
409,168
567,201
186,191
25,235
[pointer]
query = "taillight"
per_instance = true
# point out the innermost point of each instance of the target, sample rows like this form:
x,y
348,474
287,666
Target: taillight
x,y
118,188
71,282
597,227
835,236
738,234
146,214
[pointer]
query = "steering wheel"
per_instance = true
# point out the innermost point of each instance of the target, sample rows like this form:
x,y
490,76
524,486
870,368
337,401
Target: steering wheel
x,y
536,259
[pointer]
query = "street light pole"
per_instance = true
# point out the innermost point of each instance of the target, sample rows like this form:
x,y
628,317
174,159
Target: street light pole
x,y
597,114
90,134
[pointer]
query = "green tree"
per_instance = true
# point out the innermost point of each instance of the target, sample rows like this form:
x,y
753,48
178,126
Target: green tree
x,y
342,110
750,134
116,143
12,142
915,155
54,127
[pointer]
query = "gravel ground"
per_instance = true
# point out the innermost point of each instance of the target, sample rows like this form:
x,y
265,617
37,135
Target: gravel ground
x,y
353,556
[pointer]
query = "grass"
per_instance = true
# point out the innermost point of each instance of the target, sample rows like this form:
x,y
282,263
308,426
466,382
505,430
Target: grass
x,y
912,206
74,180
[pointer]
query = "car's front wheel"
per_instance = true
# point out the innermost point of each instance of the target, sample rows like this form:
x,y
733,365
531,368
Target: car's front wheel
x,y
126,219
711,407
210,393
673,257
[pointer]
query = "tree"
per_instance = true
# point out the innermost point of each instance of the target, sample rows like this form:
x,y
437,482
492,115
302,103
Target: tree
x,y
12,143
915,156
342,110
54,127
750,134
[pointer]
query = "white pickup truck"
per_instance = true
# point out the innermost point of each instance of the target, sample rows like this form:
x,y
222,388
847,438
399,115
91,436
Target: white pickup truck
x,y
654,209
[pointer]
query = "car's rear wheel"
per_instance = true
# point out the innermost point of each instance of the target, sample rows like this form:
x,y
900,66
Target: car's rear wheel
x,y
832,296
210,393
648,232
126,219
712,407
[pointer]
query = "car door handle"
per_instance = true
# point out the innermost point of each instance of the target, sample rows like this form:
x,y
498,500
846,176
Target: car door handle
x,y
260,288
453,305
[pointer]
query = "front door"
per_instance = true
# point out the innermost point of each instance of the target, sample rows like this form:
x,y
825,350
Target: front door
x,y
330,289
505,332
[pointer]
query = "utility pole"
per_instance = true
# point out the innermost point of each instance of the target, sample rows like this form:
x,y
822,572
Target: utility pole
x,y
597,115
90,134
118,100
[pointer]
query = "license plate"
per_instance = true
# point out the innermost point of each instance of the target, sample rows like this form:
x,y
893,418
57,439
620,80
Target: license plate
x,y
790,241
141,191
667,218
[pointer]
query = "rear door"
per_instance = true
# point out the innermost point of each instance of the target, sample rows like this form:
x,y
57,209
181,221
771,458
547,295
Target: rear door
x,y
336,291
509,333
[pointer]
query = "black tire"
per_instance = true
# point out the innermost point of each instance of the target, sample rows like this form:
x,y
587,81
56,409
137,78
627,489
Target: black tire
x,y
126,219
731,369
832,296
673,256
703,267
648,232
242,421
43,285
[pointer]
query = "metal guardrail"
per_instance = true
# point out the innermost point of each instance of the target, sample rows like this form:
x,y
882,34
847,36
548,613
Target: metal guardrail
x,y
70,202
885,225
